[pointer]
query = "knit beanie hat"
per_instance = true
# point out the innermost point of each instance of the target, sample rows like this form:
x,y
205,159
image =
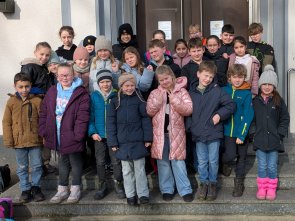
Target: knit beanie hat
x,y
80,53
89,40
104,74
125,28
268,76
102,42
124,77
53,58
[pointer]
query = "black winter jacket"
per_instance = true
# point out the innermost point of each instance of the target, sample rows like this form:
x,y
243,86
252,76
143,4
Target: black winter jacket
x,y
128,127
190,71
66,55
119,48
271,125
214,101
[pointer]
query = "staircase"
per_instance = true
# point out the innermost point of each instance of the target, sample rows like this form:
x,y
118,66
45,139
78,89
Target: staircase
x,y
225,204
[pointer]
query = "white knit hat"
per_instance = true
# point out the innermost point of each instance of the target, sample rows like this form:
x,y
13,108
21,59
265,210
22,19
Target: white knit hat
x,y
102,42
268,76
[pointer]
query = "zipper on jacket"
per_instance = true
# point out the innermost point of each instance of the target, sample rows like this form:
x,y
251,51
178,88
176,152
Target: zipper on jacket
x,y
245,126
232,116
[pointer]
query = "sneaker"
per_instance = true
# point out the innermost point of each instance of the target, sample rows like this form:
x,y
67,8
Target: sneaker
x,y
75,194
132,201
168,196
25,196
119,189
37,194
144,200
101,192
62,194
188,197
202,192
212,191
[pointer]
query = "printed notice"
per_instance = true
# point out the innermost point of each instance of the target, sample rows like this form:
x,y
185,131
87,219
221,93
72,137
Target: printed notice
x,y
215,27
165,26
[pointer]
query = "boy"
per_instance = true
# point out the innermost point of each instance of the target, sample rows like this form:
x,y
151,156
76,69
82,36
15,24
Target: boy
x,y
196,51
237,126
194,31
100,100
20,131
260,49
227,37
211,106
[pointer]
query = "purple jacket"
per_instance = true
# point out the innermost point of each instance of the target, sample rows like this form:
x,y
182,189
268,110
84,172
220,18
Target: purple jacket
x,y
74,123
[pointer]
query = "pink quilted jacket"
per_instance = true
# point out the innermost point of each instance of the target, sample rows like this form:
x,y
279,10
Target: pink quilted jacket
x,y
180,106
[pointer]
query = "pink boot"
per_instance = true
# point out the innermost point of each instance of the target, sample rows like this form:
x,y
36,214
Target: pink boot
x,y
272,189
262,187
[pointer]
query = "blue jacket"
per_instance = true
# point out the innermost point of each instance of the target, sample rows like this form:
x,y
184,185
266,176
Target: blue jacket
x,y
129,126
239,122
98,111
213,101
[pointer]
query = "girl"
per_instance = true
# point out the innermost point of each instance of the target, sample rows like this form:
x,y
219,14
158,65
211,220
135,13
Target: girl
x,y
132,64
181,57
66,51
63,123
241,56
168,104
271,126
81,65
129,132
104,59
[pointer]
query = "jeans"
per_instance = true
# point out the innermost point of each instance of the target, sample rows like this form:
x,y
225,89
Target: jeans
x,y
208,154
233,150
171,172
135,180
101,151
25,157
267,164
67,162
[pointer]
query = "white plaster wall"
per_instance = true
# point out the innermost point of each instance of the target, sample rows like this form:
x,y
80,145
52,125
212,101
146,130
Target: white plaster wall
x,y
291,61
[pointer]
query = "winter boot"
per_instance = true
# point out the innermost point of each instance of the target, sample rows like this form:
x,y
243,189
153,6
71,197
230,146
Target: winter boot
x,y
37,194
75,194
212,191
25,197
62,194
262,188
101,192
202,192
119,189
226,169
239,187
272,189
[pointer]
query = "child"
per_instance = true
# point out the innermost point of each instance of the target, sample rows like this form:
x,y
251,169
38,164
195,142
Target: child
x,y
227,37
168,104
81,65
36,69
181,57
242,57
100,100
63,124
271,126
237,126
125,38
214,53
160,35
211,105
196,51
20,131
260,49
66,51
52,65
104,59
89,44
129,132
194,31
132,64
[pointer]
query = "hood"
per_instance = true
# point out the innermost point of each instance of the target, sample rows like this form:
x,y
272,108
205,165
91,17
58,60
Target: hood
x,y
30,61
244,86
180,82
77,82
168,60
175,56
212,56
194,84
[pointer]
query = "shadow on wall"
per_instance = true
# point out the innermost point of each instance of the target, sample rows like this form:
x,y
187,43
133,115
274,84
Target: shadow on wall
x,y
15,15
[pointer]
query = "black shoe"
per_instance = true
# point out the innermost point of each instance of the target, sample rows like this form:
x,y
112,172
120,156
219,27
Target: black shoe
x,y
119,189
239,187
37,194
25,197
212,191
144,200
202,192
188,197
226,169
132,201
101,192
168,196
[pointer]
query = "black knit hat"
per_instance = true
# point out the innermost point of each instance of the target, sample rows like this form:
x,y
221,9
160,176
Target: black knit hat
x,y
89,40
125,28
104,74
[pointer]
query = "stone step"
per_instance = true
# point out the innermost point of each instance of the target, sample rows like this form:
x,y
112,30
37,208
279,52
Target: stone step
x,y
225,204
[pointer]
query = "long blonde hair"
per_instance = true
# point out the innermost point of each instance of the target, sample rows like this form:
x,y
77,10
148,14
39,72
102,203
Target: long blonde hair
x,y
97,58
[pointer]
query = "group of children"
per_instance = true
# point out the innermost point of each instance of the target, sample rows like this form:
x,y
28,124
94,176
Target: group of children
x,y
200,100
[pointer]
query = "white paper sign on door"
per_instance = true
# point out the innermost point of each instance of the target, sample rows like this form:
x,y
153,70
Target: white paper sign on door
x,y
165,26
215,27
